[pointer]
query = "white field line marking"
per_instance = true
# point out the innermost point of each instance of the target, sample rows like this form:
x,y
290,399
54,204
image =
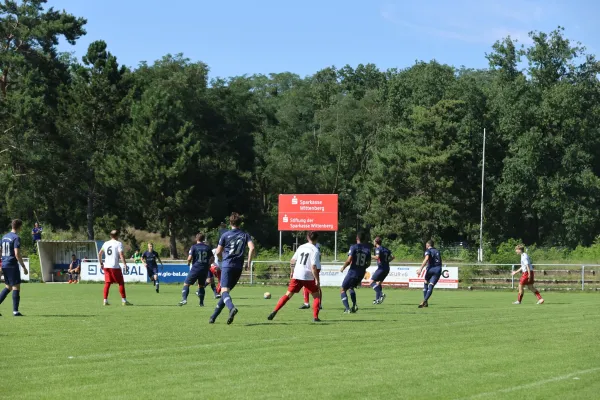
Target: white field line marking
x,y
534,384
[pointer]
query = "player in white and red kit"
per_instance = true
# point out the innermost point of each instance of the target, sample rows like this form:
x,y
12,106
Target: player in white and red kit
x,y
527,276
305,264
214,272
306,292
113,249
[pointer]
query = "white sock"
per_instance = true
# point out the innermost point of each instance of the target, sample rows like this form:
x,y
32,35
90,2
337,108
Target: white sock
x,y
124,300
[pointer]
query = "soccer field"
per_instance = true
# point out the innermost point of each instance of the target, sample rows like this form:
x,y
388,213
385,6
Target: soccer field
x,y
465,345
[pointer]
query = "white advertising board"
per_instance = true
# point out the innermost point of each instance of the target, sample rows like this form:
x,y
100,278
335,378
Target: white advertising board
x,y
399,276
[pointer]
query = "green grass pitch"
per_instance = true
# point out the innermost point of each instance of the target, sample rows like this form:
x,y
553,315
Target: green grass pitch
x,y
465,345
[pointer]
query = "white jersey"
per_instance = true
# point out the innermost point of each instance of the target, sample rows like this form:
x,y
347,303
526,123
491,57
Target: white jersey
x,y
306,256
216,262
112,250
525,261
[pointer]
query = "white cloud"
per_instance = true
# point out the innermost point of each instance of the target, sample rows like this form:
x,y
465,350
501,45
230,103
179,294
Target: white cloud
x,y
468,21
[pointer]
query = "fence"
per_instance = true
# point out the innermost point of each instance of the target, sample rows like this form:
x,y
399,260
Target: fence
x,y
471,276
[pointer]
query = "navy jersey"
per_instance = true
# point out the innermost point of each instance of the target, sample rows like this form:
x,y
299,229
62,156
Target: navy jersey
x,y
234,243
361,258
10,242
384,256
37,233
435,259
76,263
150,257
201,254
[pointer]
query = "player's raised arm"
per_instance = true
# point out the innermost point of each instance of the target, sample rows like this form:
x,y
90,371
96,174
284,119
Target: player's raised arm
x,y
189,259
250,251
19,258
424,263
348,262
314,264
100,256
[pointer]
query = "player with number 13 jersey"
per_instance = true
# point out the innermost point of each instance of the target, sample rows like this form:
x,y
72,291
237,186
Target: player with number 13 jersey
x,y
359,259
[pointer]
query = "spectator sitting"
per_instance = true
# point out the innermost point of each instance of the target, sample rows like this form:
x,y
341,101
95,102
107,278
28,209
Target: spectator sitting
x,y
74,269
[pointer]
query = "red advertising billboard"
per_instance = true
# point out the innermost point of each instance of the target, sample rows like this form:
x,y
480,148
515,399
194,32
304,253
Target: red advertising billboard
x,y
308,212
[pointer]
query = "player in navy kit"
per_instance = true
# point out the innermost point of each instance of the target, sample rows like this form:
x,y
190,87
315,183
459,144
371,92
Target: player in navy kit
x,y
11,259
383,256
201,258
359,259
433,263
231,249
149,258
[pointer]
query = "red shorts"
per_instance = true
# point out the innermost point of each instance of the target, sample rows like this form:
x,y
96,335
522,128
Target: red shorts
x,y
296,285
527,279
113,275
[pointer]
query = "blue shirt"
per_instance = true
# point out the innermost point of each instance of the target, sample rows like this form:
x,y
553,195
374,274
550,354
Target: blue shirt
x,y
361,258
384,256
150,257
10,242
435,259
76,263
37,233
201,254
234,243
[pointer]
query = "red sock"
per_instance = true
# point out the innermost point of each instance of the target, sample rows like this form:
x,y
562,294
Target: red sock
x,y
538,295
520,297
306,293
284,299
106,287
219,288
122,291
316,306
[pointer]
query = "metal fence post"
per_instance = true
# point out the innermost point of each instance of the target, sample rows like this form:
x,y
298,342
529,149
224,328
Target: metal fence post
x,y
512,278
252,272
583,277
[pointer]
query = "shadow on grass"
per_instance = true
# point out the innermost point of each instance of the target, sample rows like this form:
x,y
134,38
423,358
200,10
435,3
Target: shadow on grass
x,y
267,323
156,305
68,315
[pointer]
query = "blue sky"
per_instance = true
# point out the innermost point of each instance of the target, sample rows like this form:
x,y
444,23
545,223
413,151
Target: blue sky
x,y
238,37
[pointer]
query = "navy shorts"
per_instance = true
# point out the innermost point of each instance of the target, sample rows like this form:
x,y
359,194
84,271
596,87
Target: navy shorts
x,y
433,275
210,275
380,274
230,277
152,271
12,276
351,281
197,274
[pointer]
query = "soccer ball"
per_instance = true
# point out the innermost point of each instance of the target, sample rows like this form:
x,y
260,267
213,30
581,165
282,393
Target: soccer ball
x,y
267,295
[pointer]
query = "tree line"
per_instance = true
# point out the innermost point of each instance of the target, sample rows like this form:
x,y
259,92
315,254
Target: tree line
x,y
92,144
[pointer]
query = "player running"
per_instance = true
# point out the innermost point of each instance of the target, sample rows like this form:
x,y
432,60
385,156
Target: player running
x,y
112,270
527,277
306,265
11,259
383,256
306,291
149,258
359,259
231,249
200,257
433,263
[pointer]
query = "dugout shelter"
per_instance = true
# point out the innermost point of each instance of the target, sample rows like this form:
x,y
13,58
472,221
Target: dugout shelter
x,y
55,256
